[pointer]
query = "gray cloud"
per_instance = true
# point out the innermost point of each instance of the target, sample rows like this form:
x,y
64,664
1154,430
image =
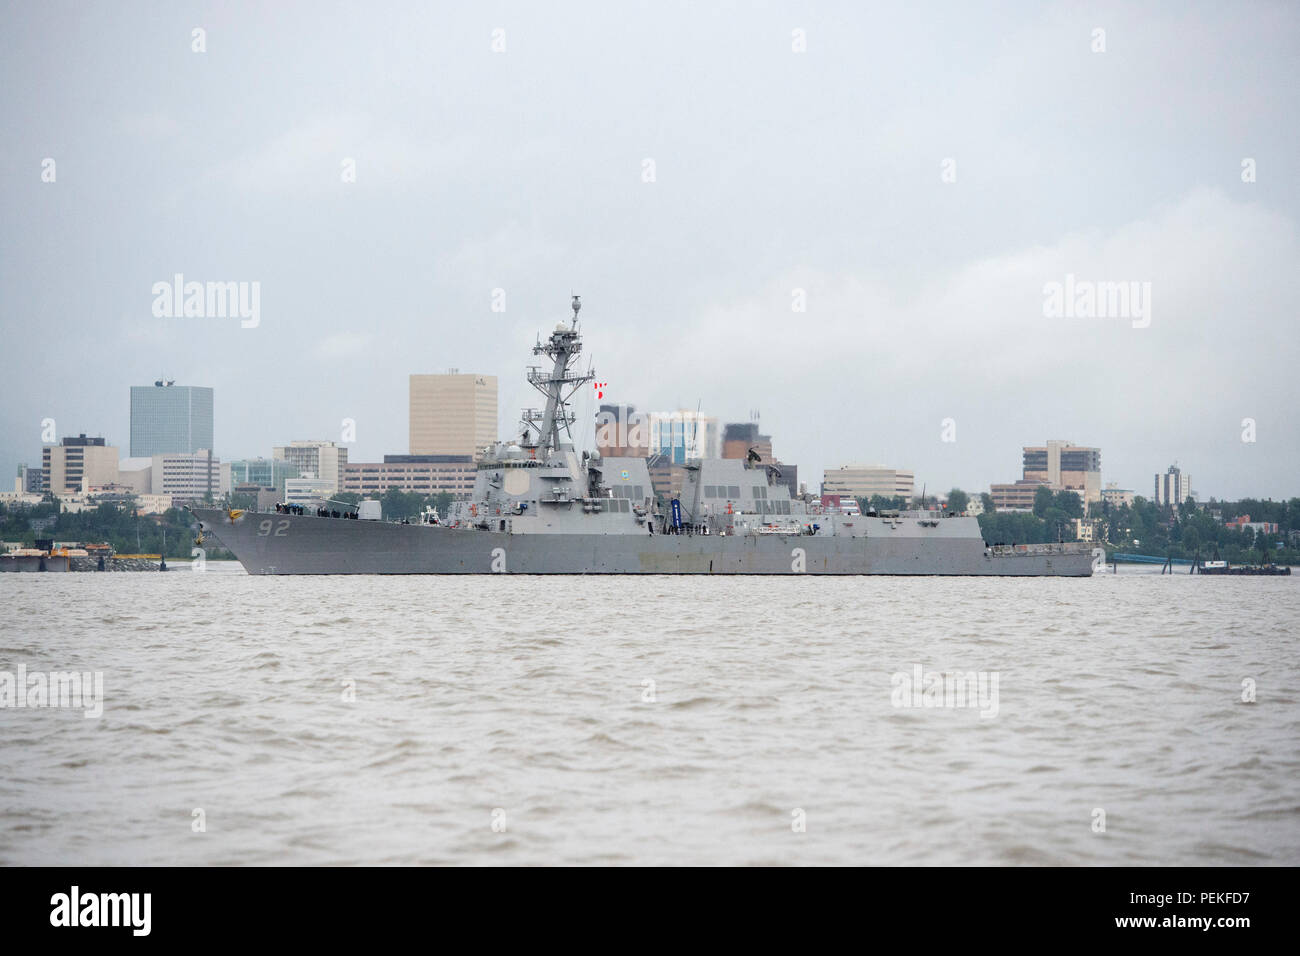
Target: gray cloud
x,y
775,171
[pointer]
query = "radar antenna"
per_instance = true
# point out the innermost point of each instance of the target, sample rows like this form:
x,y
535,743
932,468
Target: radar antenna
x,y
558,384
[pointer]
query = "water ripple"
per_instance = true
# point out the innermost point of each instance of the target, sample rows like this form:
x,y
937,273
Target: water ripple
x,y
377,720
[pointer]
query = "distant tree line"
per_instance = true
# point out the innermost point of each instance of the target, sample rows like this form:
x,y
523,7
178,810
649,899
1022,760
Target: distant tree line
x,y
1200,529
1146,527
111,523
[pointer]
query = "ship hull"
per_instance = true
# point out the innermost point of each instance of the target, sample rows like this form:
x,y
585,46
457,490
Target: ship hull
x,y
293,544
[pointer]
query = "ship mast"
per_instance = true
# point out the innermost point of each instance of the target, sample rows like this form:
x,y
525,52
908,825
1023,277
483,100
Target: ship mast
x,y
558,385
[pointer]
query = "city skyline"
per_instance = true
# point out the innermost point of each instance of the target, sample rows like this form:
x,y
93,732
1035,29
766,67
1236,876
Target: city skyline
x,y
813,483
952,260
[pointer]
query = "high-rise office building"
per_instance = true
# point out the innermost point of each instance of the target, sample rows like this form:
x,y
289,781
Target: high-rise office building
x,y
682,435
452,414
170,419
78,464
739,438
1063,464
1173,487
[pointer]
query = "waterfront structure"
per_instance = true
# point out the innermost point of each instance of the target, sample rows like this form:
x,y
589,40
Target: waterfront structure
x,y
323,460
864,481
167,418
76,464
1063,464
417,474
452,414
1173,488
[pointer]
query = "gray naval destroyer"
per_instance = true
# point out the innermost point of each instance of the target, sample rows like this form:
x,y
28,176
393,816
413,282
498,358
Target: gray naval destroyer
x,y
540,507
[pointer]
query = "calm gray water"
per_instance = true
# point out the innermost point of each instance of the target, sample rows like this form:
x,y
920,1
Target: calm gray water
x,y
521,701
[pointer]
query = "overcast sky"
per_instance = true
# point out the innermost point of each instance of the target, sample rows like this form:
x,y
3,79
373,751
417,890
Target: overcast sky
x,y
773,171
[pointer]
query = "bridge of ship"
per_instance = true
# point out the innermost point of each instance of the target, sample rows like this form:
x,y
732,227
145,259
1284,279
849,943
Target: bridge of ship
x,y
562,493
